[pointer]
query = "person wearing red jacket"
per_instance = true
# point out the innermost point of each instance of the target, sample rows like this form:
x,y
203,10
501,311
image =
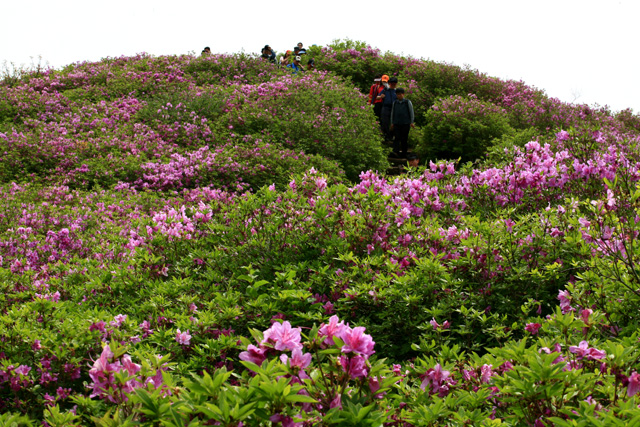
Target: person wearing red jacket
x,y
375,90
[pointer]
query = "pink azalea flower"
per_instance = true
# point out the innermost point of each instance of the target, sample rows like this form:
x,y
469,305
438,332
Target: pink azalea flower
x,y
118,320
332,329
336,402
565,302
129,366
595,354
581,350
297,359
283,336
253,354
355,340
374,384
486,372
533,328
146,328
436,326
355,366
438,381
23,370
506,367
183,338
102,374
584,315
634,384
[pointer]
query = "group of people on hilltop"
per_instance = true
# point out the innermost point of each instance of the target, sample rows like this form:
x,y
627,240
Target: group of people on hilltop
x,y
394,112
290,59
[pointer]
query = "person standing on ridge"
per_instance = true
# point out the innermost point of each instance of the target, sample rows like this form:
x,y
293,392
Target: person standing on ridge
x,y
374,91
206,51
402,120
388,97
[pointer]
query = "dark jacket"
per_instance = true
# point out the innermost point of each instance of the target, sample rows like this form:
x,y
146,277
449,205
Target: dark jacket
x,y
402,112
389,97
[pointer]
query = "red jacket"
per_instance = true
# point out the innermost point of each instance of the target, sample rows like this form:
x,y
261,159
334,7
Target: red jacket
x,y
374,92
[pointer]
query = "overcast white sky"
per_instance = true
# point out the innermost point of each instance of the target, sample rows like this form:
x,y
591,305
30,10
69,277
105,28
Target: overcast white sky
x,y
582,50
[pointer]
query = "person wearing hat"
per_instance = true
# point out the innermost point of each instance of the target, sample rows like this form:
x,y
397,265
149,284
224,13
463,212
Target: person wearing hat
x,y
375,90
268,54
311,64
388,97
296,66
284,61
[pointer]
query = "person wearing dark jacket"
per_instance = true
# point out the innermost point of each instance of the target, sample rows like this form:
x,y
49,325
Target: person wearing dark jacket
x,y
402,120
388,97
268,54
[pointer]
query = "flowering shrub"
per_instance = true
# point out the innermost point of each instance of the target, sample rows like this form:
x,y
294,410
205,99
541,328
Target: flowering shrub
x,y
179,245
317,113
357,61
462,128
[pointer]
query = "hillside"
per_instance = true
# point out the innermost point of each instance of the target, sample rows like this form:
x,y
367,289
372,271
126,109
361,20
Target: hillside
x,y
213,241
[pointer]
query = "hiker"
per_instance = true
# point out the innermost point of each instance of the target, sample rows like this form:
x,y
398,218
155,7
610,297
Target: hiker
x,y
296,66
301,49
206,51
268,54
388,97
311,64
413,160
284,61
375,90
402,120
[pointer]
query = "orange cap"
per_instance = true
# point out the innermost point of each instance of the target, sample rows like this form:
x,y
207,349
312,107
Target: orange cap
x,y
385,78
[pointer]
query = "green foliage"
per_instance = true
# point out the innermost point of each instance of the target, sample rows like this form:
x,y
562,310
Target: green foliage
x,y
317,114
501,150
462,128
180,106
236,68
355,61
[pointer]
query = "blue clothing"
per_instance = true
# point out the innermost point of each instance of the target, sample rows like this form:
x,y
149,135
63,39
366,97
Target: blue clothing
x,y
389,97
295,68
385,115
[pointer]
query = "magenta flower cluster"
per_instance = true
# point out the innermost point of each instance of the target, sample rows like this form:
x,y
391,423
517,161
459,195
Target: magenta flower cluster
x,y
105,384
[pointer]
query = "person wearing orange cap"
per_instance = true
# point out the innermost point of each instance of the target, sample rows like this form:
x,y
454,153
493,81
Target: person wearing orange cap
x,y
284,60
375,90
